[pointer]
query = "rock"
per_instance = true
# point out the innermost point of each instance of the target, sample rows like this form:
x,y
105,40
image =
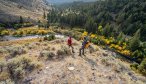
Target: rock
x,y
71,68
47,67
93,67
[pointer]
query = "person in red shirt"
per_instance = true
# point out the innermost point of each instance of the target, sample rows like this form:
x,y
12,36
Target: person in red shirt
x,y
69,42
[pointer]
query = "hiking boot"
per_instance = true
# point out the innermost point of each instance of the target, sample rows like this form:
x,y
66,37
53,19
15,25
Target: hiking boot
x,y
73,51
83,54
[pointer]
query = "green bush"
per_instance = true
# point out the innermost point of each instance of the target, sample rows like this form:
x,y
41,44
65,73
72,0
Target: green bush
x,y
142,67
16,26
28,32
101,42
134,43
138,55
1,28
60,52
76,36
57,31
68,33
14,51
32,32
17,67
51,33
28,64
31,46
134,66
18,73
12,65
27,24
50,55
45,38
64,51
4,32
144,44
2,25
2,65
95,41
18,33
144,51
50,38
47,54
120,38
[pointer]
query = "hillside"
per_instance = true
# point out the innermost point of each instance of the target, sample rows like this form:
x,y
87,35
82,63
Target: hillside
x,y
118,15
11,10
98,66
59,65
111,32
67,1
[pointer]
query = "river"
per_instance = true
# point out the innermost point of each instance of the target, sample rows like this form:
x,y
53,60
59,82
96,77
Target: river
x,y
12,38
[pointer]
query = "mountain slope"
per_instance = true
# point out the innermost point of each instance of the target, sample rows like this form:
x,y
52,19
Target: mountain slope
x,y
11,10
66,1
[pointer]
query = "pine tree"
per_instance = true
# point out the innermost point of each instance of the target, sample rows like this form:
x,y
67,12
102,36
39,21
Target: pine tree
x,y
89,25
106,30
135,41
94,28
121,18
100,30
44,16
39,23
21,20
120,37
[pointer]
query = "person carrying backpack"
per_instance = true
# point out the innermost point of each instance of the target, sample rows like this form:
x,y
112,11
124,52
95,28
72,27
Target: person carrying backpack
x,y
69,42
84,45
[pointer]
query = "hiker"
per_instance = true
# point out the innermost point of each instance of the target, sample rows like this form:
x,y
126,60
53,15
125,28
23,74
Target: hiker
x,y
69,42
85,44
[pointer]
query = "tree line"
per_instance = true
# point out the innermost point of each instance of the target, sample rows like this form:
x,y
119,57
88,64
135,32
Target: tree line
x,y
126,16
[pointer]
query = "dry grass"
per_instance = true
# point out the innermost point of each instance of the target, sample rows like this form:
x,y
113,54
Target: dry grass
x,y
19,42
59,50
4,76
18,67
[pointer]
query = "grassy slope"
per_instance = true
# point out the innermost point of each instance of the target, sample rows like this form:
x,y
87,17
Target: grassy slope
x,y
97,67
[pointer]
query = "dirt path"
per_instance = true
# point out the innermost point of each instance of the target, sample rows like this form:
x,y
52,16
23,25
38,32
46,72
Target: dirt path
x,y
100,67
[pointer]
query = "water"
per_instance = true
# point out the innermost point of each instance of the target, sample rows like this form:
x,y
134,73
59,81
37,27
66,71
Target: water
x,y
12,38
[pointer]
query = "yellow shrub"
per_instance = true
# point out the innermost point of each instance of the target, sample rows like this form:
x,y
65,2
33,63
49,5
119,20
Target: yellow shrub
x,y
42,32
126,52
124,47
124,44
85,33
93,36
111,38
101,37
107,41
119,42
112,45
119,48
5,32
